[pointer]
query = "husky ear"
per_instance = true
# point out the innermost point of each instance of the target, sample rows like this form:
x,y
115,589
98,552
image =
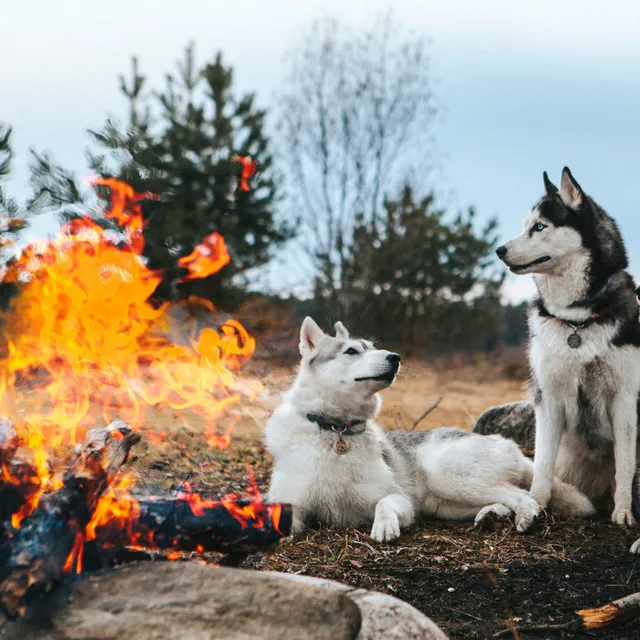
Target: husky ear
x,y
570,190
549,187
341,330
310,335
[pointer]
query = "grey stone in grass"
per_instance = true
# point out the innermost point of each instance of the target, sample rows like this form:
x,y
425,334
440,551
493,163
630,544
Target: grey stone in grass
x,y
515,421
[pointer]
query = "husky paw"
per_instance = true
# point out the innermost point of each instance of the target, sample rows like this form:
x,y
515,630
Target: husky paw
x,y
635,547
385,527
527,515
297,526
623,516
489,515
541,497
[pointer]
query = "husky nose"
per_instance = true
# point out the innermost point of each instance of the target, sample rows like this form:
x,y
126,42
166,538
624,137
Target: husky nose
x,y
394,358
501,252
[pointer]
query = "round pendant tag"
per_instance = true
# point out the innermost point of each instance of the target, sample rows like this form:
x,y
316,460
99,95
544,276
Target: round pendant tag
x,y
574,340
341,446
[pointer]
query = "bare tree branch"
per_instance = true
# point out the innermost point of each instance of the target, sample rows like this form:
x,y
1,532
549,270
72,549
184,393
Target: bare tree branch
x,y
356,113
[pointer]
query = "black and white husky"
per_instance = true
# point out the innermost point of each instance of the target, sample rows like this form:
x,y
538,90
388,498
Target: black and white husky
x,y
336,465
584,348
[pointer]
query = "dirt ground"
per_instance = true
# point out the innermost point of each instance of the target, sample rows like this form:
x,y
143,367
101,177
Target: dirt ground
x,y
472,583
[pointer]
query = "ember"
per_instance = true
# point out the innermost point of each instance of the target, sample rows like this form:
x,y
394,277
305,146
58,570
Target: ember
x,y
82,335
248,169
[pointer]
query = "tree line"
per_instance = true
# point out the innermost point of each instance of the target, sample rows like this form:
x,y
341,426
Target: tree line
x,y
341,196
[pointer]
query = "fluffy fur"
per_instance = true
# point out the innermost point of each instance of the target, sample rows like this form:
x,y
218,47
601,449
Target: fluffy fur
x,y
586,397
387,476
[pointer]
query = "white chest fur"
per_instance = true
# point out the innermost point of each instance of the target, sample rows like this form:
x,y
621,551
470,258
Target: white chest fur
x,y
597,369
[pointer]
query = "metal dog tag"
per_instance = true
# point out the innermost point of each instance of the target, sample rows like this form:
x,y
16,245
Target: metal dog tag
x,y
574,340
341,446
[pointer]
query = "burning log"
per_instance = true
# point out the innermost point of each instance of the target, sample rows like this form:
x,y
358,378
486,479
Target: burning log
x,y
190,523
19,481
41,549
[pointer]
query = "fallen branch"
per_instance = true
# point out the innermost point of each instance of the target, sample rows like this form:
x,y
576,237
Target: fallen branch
x,y
573,626
41,548
615,612
426,413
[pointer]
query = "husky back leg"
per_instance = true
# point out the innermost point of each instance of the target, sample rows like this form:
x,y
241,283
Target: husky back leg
x,y
477,471
489,514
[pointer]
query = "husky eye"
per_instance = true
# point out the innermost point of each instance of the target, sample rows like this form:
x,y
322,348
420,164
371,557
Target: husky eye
x,y
539,227
351,352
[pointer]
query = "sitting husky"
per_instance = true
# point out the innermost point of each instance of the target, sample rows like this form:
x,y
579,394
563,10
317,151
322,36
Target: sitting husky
x,y
335,465
584,348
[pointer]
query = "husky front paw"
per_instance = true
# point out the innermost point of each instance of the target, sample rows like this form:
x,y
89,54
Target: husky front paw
x,y
635,547
623,516
527,515
297,525
542,497
386,527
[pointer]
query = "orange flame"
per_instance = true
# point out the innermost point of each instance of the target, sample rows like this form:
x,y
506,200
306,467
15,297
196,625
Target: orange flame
x,y
74,559
85,346
249,167
206,259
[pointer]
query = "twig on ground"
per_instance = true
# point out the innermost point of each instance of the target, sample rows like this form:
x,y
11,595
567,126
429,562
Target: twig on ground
x,y
573,625
614,612
462,613
426,413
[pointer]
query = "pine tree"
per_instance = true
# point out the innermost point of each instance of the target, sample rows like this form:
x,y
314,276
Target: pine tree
x,y
181,143
12,219
424,279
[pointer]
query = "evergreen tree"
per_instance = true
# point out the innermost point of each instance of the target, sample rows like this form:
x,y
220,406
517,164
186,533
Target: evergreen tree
x,y
424,280
11,217
181,143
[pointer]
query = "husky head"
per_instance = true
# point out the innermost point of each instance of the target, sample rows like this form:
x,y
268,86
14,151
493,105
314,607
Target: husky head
x,y
566,230
340,375
355,365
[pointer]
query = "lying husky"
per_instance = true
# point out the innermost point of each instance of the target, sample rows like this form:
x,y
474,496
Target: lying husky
x,y
584,348
335,465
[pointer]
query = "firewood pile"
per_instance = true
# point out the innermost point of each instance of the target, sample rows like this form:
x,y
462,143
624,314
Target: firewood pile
x,y
44,536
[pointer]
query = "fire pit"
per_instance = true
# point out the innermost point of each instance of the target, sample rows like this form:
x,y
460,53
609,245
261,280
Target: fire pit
x,y
85,347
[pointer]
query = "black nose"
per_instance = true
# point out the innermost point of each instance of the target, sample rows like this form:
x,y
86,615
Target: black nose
x,y
394,358
501,252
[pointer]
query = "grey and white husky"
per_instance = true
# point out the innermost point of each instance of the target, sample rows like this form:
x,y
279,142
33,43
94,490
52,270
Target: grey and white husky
x,y
336,465
584,348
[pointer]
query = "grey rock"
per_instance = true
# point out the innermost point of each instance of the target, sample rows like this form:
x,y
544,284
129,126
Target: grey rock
x,y
383,616
190,601
515,421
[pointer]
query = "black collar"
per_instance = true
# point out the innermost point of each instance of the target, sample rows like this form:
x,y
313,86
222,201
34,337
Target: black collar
x,y
591,300
603,312
343,427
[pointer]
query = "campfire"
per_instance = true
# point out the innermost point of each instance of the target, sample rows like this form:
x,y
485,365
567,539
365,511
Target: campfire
x,y
82,334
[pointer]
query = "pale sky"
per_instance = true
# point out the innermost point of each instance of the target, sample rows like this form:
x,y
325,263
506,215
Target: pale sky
x,y
527,86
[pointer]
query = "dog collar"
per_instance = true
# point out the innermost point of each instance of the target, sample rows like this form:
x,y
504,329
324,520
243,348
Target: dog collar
x,y
585,302
344,428
574,340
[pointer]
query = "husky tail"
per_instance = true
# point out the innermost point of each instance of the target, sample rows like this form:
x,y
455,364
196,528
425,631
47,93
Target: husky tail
x,y
569,501
566,500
